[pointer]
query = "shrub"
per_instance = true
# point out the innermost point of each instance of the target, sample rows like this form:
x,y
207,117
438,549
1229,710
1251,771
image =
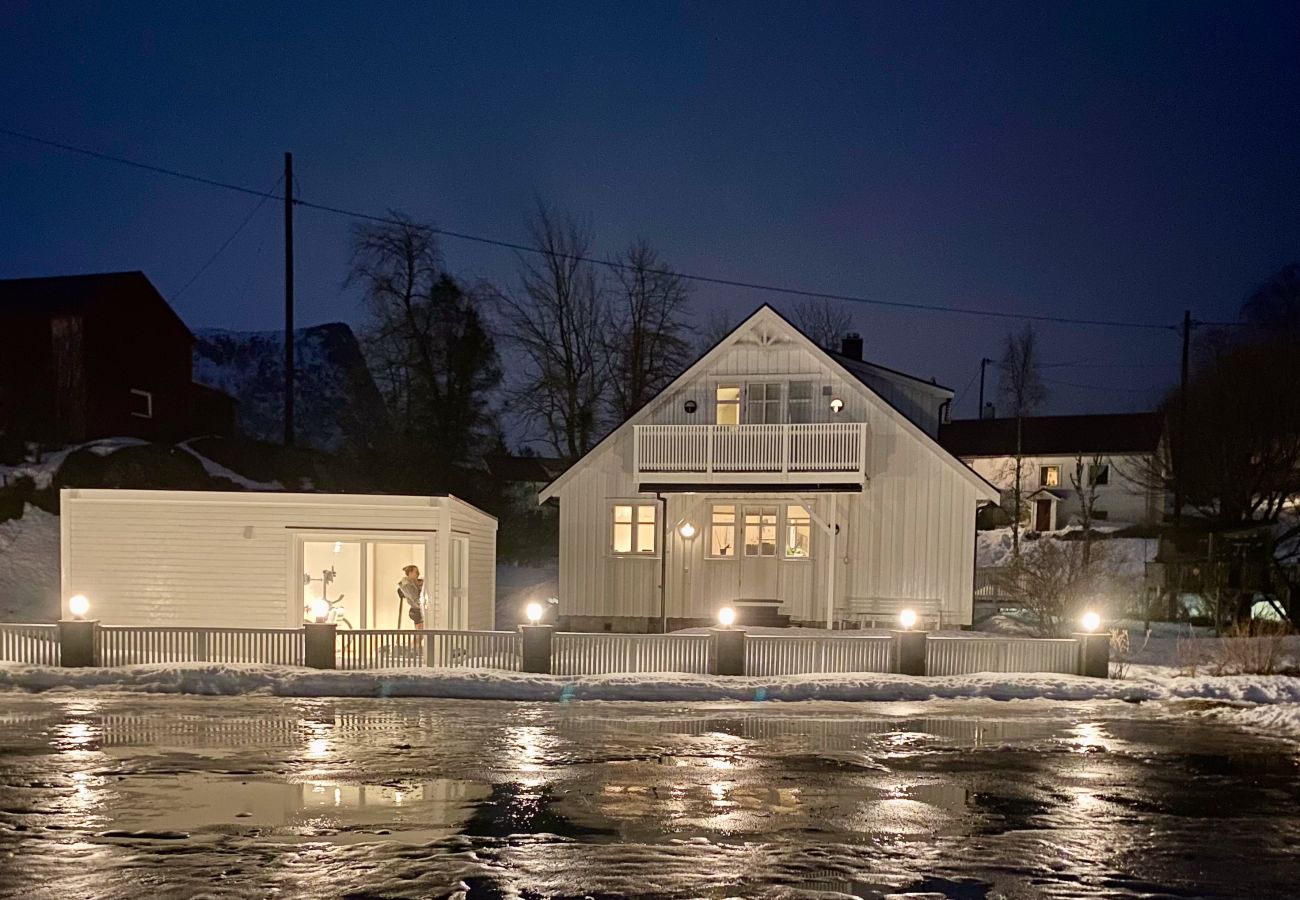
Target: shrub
x,y
1119,652
1256,649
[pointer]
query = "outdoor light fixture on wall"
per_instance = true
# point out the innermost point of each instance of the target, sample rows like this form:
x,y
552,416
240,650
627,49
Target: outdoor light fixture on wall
x,y
78,605
836,405
686,530
690,406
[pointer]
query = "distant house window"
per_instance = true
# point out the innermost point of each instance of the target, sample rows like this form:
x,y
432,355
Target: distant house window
x,y
1100,515
1099,474
1049,476
764,403
760,531
141,403
722,531
799,401
634,528
728,405
798,532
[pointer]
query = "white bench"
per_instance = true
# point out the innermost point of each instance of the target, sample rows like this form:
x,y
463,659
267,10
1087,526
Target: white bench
x,y
868,611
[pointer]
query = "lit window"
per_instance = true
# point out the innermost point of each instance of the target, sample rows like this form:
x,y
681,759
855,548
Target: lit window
x,y
141,403
1049,476
800,401
634,528
798,532
760,531
722,531
1099,474
728,405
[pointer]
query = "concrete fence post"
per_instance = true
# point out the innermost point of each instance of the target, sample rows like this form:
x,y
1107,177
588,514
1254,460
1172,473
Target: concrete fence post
x,y
1094,654
78,643
909,652
318,645
536,640
728,651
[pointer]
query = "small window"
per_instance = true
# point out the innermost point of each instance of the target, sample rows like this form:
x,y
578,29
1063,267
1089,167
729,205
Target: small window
x,y
760,531
722,532
1049,476
764,403
141,403
798,533
728,412
1099,474
799,401
634,528
1100,515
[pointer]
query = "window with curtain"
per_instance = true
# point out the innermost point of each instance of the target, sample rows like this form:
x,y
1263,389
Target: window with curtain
x,y
760,531
728,405
722,531
799,402
798,532
764,406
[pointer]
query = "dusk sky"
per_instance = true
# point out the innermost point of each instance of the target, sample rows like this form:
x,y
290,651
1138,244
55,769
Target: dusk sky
x,y
1116,161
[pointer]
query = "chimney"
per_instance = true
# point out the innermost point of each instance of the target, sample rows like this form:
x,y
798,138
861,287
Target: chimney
x,y
851,345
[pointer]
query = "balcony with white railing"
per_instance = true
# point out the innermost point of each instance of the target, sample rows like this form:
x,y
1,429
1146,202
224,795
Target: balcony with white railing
x,y
815,453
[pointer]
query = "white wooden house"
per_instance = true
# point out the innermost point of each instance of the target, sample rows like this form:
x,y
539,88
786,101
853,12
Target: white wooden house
x,y
777,477
1117,452
230,559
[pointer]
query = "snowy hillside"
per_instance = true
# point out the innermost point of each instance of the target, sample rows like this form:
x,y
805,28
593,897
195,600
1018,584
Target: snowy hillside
x,y
337,404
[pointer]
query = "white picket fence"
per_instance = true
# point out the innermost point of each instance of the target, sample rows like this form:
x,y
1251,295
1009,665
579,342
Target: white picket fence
x,y
771,654
964,656
36,645
611,654
124,645
409,649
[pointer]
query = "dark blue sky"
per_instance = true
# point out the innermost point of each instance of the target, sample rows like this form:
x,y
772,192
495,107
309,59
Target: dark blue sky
x,y
1100,160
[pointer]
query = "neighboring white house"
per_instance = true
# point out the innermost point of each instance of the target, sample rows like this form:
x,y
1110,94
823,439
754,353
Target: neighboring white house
x,y
1127,444
777,477
252,559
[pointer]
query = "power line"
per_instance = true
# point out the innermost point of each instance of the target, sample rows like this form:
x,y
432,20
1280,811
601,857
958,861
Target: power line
x,y
1098,387
213,258
611,264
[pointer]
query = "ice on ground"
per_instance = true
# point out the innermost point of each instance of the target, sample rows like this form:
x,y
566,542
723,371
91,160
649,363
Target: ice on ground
x,y
29,567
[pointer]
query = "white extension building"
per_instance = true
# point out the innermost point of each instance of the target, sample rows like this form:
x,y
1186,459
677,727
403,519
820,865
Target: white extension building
x,y
240,560
777,477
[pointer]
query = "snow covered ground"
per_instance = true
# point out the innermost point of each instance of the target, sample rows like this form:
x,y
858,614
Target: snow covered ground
x,y
29,567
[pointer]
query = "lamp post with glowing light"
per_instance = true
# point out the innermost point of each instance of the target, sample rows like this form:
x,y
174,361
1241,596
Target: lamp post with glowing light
x,y
1094,646
909,645
535,640
728,644
78,636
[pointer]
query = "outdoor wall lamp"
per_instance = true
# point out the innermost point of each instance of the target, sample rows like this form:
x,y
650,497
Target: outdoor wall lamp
x,y
907,618
78,605
320,609
534,612
836,405
687,530
1091,621
727,616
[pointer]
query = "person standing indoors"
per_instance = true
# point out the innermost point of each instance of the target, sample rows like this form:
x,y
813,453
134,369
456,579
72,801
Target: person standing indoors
x,y
411,589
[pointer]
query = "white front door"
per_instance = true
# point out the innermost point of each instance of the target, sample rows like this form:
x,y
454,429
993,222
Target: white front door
x,y
758,553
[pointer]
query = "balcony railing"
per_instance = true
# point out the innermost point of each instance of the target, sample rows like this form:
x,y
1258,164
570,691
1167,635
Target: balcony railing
x,y
823,451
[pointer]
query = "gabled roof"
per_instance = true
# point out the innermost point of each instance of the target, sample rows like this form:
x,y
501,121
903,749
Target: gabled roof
x,y
767,313
1054,435
860,367
526,469
61,294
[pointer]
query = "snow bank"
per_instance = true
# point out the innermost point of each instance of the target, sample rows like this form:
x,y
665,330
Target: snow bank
x,y
1281,717
230,679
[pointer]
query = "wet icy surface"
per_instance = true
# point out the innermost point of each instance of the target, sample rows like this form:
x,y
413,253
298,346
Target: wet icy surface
x,y
129,796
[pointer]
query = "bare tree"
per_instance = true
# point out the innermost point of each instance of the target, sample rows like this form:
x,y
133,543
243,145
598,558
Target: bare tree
x,y
1021,388
825,322
558,323
1084,481
716,326
431,354
1054,584
646,347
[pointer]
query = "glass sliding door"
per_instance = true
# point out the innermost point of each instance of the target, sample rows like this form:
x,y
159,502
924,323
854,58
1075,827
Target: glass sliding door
x,y
358,578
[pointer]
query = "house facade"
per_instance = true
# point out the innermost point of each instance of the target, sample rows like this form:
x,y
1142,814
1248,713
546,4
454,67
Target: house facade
x,y
90,356
1118,452
790,482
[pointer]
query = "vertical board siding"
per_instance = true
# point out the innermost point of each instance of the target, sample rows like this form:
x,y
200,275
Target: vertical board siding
x,y
965,656
797,655
36,645
610,654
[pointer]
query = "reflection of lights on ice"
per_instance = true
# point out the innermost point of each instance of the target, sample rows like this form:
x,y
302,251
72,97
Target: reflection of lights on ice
x,y
719,791
318,747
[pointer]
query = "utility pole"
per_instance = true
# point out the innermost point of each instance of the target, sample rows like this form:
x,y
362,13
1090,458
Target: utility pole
x,y
1179,453
288,299
982,364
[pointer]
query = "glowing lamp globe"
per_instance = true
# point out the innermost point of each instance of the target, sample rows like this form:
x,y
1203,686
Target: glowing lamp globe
x,y
78,605
1091,621
687,530
727,616
907,618
320,609
534,612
